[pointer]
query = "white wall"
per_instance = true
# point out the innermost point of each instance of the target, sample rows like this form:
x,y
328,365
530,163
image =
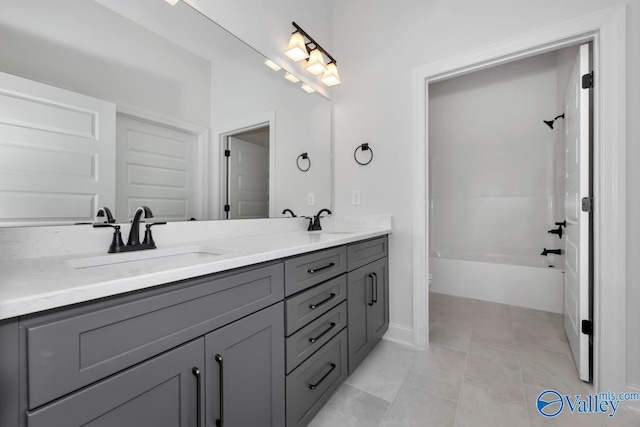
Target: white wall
x,y
374,104
492,186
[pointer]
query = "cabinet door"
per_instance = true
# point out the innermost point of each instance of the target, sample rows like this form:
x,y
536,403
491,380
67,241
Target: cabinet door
x,y
368,309
379,316
162,392
359,283
245,371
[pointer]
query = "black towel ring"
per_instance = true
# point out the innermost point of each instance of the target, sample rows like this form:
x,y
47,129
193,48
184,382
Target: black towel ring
x,y
304,156
363,147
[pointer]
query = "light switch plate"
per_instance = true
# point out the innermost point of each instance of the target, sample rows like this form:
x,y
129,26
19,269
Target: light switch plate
x,y
311,199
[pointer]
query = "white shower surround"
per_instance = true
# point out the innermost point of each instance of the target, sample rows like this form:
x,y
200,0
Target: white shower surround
x,y
514,280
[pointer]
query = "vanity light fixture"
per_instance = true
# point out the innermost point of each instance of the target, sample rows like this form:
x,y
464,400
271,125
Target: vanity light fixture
x,y
172,2
330,76
296,49
291,77
269,63
316,64
302,46
307,88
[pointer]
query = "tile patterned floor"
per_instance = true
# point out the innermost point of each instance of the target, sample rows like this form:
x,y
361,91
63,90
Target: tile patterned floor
x,y
485,366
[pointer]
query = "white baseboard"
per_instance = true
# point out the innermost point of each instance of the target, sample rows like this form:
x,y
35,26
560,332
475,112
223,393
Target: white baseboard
x,y
400,334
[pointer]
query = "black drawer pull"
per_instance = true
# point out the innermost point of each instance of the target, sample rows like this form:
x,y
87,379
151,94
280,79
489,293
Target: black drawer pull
x,y
325,332
371,301
220,421
198,375
375,288
315,270
324,301
313,386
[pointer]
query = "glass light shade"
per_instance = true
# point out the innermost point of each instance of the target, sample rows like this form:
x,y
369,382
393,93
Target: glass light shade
x,y
331,77
296,49
291,78
269,63
316,64
307,88
172,2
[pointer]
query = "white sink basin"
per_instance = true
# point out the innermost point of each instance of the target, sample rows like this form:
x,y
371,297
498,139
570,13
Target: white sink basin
x,y
184,254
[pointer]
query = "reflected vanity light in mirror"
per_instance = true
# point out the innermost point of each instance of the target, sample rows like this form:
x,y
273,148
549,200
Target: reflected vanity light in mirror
x,y
291,77
307,88
269,63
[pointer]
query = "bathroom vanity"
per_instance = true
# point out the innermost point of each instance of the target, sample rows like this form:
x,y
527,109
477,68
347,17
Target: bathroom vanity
x,y
259,339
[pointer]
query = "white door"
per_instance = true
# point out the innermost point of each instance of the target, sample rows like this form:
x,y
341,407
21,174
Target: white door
x,y
156,167
247,180
577,187
57,154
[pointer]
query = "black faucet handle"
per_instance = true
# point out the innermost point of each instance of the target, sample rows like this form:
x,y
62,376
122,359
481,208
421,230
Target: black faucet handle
x,y
148,237
116,242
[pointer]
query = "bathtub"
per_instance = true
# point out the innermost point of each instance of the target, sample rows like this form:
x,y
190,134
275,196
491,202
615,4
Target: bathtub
x,y
532,282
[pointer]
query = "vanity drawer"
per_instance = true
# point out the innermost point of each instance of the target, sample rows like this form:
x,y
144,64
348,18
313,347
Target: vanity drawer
x,y
312,303
72,348
363,253
307,340
305,271
312,383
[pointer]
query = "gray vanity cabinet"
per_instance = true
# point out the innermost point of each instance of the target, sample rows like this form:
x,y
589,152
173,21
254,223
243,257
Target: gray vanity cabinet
x,y
368,302
162,392
245,372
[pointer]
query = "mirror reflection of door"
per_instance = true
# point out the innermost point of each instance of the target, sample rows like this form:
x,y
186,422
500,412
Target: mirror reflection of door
x,y
156,166
247,174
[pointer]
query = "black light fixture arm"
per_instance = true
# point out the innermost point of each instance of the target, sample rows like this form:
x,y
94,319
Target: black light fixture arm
x,y
312,41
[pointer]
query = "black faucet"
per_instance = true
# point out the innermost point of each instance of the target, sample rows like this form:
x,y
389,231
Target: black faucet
x,y
546,251
105,211
290,211
314,223
133,242
134,233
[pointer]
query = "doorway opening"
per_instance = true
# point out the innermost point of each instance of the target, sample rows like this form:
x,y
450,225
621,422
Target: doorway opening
x,y
606,30
504,225
246,160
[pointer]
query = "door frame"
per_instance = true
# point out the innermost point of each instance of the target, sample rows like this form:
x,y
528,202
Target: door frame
x,y
606,30
202,149
240,126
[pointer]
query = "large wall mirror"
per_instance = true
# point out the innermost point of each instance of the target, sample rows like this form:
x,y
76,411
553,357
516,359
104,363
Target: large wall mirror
x,y
127,103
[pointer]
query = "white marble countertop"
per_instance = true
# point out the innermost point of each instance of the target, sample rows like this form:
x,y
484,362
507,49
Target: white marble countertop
x,y
32,285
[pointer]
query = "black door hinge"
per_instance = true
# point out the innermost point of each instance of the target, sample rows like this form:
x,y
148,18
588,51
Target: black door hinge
x,y
227,153
587,327
587,204
587,80
227,208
